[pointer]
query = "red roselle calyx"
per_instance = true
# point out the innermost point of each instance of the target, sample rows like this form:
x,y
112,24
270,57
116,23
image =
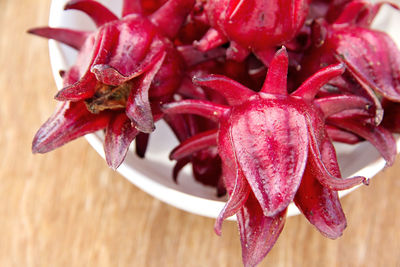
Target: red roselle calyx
x,y
124,70
257,26
265,141
371,57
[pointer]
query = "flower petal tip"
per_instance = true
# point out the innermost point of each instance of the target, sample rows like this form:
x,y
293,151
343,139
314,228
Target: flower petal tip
x,y
108,75
37,149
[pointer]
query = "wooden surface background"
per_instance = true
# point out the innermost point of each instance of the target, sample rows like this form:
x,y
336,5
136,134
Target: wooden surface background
x,y
67,208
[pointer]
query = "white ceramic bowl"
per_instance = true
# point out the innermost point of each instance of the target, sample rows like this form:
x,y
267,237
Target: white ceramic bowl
x,y
154,174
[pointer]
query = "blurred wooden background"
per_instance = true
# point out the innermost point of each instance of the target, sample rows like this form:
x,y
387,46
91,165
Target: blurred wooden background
x,y
67,208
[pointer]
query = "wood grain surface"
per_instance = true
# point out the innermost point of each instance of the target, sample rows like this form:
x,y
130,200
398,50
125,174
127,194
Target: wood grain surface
x,y
67,208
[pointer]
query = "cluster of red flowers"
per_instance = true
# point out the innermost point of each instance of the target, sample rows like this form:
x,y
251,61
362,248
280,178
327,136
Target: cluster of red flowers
x,y
255,90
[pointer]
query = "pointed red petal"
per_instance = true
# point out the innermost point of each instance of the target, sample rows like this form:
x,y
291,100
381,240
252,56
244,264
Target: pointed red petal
x,y
378,136
82,89
258,233
335,104
311,86
129,55
193,144
70,121
138,106
206,109
131,7
73,38
141,142
180,164
238,193
71,76
320,170
271,144
119,135
320,205
128,49
276,80
232,177
170,17
96,11
343,136
86,86
234,92
373,58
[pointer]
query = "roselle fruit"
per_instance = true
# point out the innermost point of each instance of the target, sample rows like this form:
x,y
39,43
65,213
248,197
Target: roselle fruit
x,y
268,141
124,70
373,72
257,26
371,56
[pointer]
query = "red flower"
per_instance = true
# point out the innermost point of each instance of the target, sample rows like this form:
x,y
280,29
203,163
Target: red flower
x,y
372,62
268,141
252,26
370,56
124,70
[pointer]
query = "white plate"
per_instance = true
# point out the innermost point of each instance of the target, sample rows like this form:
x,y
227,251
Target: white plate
x,y
154,174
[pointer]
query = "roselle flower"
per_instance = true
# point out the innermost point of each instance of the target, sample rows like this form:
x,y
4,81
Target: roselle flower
x,y
269,141
124,70
257,26
372,60
371,57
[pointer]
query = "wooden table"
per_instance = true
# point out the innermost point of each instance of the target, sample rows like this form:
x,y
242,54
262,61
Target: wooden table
x,y
67,208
